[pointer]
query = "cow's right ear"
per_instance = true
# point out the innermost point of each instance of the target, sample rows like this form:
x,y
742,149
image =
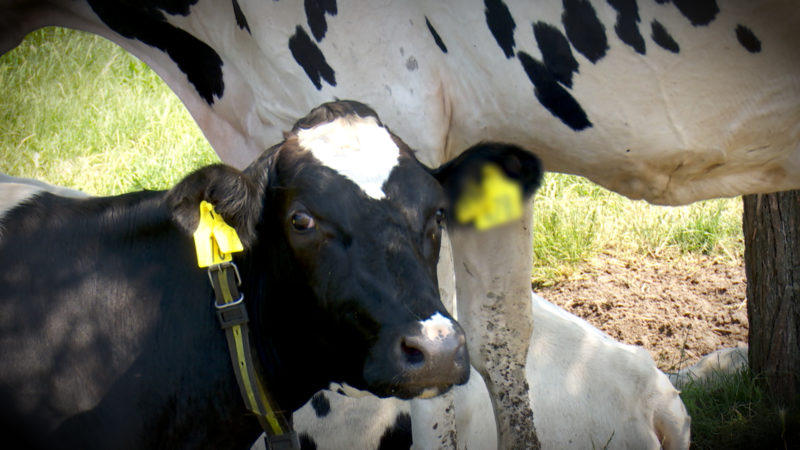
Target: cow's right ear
x,y
234,196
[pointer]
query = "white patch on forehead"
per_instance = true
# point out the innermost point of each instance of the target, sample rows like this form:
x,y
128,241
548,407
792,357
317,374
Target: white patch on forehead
x,y
355,147
437,327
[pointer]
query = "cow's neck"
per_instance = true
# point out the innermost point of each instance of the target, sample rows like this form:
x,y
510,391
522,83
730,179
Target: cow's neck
x,y
291,365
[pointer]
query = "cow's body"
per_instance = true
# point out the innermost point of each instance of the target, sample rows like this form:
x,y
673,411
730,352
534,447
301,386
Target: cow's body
x,y
587,391
668,101
109,337
714,115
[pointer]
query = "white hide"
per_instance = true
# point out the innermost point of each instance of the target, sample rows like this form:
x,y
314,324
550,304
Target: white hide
x,y
720,362
587,391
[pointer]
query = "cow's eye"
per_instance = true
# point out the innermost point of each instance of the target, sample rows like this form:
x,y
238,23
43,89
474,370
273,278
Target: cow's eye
x,y
440,217
302,221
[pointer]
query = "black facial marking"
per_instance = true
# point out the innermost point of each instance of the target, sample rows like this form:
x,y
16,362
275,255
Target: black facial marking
x,y
748,40
399,435
699,12
556,52
627,26
662,2
501,24
307,442
241,20
436,37
662,37
584,30
201,64
552,95
321,405
311,59
315,14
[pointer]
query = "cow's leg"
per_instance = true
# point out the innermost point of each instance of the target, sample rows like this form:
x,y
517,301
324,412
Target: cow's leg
x,y
494,293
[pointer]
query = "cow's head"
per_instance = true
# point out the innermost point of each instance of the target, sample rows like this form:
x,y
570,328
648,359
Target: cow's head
x,y
343,226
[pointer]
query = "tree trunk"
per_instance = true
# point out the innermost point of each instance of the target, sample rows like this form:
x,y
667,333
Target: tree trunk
x,y
771,225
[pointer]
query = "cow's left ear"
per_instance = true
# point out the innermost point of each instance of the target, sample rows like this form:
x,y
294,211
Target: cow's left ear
x,y
234,196
486,177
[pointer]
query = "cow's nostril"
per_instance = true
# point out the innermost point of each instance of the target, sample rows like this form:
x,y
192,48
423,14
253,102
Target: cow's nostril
x,y
412,354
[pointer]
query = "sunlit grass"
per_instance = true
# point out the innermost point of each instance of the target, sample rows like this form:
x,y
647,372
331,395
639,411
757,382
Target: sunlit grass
x,y
575,219
77,110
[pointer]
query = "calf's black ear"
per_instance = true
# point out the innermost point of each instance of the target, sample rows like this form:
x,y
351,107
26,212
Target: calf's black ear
x,y
490,170
234,196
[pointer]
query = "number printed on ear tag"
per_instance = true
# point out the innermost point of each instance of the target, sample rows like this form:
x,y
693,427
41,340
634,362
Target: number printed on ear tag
x,y
496,200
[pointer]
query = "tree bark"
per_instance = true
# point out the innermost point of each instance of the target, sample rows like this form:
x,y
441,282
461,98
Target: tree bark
x,y
771,225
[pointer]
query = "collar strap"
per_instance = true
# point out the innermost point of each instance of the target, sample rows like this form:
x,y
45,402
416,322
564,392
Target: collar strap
x,y
215,241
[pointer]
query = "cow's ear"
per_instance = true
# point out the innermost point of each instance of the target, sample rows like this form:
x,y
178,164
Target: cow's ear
x,y
234,196
488,174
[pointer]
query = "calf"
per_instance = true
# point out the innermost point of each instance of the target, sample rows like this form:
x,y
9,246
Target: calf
x,y
108,334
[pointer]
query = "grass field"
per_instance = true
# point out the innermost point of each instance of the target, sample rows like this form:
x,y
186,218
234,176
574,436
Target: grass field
x,y
78,111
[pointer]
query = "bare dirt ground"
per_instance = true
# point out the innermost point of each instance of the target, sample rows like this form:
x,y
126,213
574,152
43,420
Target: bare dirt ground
x,y
678,309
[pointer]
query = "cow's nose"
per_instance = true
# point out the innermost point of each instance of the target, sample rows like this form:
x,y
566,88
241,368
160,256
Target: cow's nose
x,y
436,356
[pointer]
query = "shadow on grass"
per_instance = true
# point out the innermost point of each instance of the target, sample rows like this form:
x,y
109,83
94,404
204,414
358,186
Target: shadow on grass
x,y
735,411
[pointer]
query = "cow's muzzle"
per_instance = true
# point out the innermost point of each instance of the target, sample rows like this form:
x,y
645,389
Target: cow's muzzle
x,y
424,361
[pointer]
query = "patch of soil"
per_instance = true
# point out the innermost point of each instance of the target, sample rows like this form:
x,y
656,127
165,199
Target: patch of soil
x,y
678,309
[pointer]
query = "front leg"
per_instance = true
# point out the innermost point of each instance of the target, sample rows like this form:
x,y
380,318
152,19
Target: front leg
x,y
493,299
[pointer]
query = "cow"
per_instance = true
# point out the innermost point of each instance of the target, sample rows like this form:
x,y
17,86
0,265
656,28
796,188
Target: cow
x,y
587,391
670,101
109,335
648,415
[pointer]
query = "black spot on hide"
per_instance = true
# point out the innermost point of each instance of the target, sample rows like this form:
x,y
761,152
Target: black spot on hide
x,y
241,20
556,52
398,436
748,39
321,405
315,14
436,37
627,26
699,12
501,24
584,29
552,95
311,59
145,22
662,37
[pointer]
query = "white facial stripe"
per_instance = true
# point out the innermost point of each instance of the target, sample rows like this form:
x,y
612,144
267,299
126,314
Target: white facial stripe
x,y
437,327
357,148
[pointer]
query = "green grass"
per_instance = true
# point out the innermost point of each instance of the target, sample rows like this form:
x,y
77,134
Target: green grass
x,y
575,219
78,111
734,411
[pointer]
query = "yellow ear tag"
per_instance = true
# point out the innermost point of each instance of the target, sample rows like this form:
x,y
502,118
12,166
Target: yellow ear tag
x,y
214,239
495,201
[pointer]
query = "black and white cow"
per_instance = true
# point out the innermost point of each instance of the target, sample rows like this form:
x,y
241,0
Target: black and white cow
x,y
671,101
108,335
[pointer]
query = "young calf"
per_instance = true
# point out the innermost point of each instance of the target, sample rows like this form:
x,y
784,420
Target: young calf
x,y
108,332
